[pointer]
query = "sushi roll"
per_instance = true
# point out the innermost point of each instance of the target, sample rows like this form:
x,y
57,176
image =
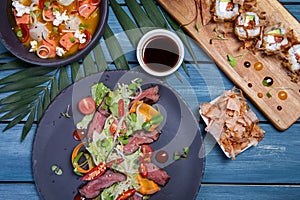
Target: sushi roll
x,y
225,10
275,40
292,62
247,26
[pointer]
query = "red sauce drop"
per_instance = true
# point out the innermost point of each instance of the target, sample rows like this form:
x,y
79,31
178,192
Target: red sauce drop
x,y
282,95
279,108
79,134
260,95
162,156
79,197
258,66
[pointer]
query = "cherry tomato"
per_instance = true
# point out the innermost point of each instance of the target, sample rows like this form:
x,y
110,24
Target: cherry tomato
x,y
126,195
113,127
87,105
95,2
25,32
88,38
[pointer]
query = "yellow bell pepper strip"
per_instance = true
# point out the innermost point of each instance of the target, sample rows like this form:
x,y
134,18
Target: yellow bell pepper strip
x,y
126,195
147,186
75,157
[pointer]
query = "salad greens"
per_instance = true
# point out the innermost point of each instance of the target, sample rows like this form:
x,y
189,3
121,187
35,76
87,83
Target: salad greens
x,y
108,146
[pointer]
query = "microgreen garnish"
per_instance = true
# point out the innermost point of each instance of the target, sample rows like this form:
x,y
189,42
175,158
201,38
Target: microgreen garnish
x,y
57,170
55,29
66,113
19,34
123,139
83,26
72,39
268,94
265,83
220,35
47,4
232,60
181,155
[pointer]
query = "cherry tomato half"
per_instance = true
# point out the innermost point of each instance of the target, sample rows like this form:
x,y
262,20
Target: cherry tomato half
x,y
88,38
87,105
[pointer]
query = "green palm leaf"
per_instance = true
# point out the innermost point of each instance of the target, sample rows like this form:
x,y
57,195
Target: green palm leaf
x,y
140,16
35,87
25,83
132,31
28,123
89,65
21,95
15,64
29,72
154,13
16,120
76,72
63,78
115,49
100,58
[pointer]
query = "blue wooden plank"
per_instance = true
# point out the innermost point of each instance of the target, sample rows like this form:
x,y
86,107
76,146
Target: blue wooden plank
x,y
19,191
294,10
16,155
274,160
234,192
207,192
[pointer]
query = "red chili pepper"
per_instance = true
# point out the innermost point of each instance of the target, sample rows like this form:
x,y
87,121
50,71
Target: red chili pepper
x,y
126,195
41,4
121,107
143,170
95,2
25,32
88,38
95,172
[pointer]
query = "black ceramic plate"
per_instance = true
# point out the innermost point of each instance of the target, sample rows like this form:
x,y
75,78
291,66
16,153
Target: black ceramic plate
x,y
9,39
54,140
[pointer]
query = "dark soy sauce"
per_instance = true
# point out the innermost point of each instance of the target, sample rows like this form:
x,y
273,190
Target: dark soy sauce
x,y
161,54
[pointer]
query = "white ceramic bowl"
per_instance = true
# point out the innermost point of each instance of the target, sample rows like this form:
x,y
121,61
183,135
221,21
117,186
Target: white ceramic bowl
x,y
144,41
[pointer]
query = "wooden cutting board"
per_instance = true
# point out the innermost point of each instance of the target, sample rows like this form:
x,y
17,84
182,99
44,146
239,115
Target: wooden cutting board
x,y
282,113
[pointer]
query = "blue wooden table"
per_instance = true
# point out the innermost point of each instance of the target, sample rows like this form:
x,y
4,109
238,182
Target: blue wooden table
x,y
270,170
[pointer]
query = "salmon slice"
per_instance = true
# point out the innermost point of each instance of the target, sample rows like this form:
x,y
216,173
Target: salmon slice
x,y
68,40
24,19
52,47
85,10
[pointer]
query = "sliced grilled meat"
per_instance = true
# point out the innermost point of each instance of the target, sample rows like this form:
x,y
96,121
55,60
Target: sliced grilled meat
x,y
140,137
157,174
93,188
